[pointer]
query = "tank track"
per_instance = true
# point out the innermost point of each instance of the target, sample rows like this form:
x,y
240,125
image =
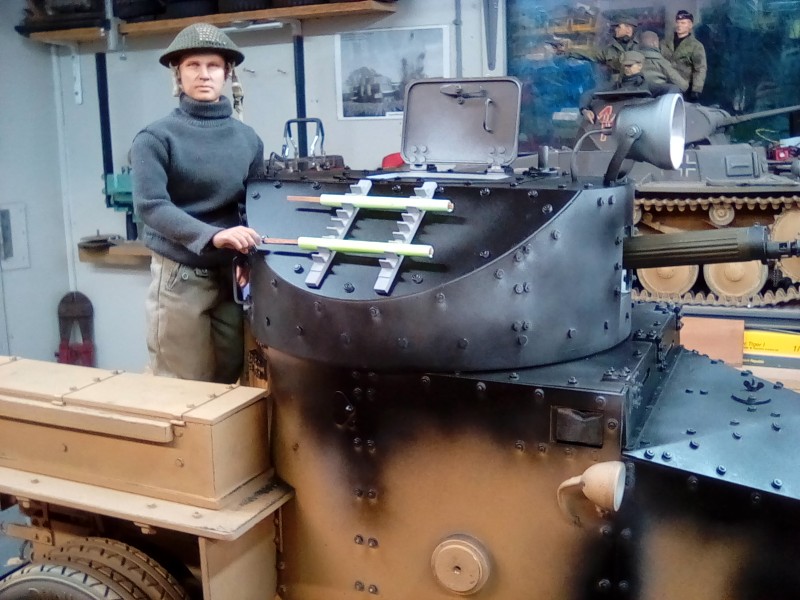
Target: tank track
x,y
646,204
765,299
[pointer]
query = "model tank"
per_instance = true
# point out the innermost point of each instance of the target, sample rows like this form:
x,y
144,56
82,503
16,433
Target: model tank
x,y
720,184
467,401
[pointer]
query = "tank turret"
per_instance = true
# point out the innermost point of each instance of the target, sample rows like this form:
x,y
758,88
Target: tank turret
x,y
705,124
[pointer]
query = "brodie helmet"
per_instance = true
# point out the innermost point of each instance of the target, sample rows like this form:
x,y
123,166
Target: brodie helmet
x,y
199,37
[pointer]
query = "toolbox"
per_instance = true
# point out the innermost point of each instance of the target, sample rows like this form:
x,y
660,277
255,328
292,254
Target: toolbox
x,y
185,441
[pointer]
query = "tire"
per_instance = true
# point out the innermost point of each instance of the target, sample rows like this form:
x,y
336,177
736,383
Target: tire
x,y
54,581
150,579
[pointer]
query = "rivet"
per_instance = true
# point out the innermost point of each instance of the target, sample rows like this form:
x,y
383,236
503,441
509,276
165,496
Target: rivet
x,y
600,401
667,456
604,585
480,386
692,482
612,424
358,492
372,494
298,268
734,422
372,543
556,234
255,195
373,589
518,256
349,288
273,282
499,274
572,380
777,484
519,445
374,311
649,453
463,343
371,445
440,297
402,343
775,414
358,586
357,442
694,445
721,470
776,427
600,202
178,462
571,332
358,539
522,340
538,393
736,435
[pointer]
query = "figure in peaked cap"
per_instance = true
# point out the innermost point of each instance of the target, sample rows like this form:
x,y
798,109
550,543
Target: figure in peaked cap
x,y
632,57
687,54
626,20
624,27
189,172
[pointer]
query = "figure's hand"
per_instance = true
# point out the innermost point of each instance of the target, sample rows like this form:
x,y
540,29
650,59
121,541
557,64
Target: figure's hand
x,y
588,114
239,238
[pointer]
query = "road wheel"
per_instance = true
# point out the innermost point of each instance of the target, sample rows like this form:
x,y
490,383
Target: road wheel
x,y
668,281
149,577
54,581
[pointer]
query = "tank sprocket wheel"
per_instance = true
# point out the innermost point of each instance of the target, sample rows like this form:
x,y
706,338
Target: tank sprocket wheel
x,y
149,577
736,279
56,581
668,281
787,229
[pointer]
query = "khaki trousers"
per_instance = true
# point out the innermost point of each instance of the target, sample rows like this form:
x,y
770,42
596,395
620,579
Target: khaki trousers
x,y
194,327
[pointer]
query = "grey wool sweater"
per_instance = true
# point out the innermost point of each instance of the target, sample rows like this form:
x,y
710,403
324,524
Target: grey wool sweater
x,y
189,171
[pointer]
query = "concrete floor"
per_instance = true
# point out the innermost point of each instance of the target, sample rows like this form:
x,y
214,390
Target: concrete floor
x,y
9,547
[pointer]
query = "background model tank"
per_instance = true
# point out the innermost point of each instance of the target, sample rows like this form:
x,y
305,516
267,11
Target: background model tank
x,y
720,184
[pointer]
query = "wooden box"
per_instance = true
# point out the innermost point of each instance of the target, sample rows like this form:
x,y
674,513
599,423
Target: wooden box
x,y
185,441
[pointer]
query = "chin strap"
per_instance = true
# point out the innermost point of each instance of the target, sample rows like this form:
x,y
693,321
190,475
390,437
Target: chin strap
x,y
238,95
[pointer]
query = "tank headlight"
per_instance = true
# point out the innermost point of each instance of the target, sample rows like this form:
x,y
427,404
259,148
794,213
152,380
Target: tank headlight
x,y
603,484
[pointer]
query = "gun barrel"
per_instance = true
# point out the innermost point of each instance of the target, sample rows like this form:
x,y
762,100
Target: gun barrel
x,y
704,247
732,120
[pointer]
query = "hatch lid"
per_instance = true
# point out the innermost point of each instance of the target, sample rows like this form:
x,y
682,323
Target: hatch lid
x,y
461,121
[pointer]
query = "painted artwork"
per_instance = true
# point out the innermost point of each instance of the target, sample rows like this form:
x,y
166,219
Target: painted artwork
x,y
752,51
374,67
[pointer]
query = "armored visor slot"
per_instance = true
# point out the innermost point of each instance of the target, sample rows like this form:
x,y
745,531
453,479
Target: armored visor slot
x,y
582,427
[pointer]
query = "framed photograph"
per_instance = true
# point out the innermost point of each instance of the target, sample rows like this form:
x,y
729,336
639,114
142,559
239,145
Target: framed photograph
x,y
373,68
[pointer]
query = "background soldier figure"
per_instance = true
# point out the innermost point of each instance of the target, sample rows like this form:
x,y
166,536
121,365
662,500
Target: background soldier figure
x,y
687,54
656,68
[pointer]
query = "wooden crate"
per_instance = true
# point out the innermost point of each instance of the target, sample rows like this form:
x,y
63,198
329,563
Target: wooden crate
x,y
185,441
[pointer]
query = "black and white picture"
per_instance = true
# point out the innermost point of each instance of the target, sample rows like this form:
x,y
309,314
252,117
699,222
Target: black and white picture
x,y
373,68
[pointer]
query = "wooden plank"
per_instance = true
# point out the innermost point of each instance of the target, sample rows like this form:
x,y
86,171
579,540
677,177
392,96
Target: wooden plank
x,y
70,36
233,400
247,565
720,339
153,396
86,419
42,380
250,505
241,446
314,11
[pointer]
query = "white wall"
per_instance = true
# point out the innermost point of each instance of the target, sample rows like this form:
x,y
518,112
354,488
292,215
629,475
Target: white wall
x,y
139,92
30,176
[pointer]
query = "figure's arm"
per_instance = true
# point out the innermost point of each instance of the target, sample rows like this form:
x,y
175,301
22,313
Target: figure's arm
x,y
674,77
699,68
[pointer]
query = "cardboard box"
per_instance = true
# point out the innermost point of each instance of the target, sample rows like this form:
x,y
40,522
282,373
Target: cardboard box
x,y
185,441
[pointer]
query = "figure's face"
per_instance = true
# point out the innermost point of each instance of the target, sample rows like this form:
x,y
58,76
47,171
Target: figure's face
x,y
202,76
623,29
632,69
683,27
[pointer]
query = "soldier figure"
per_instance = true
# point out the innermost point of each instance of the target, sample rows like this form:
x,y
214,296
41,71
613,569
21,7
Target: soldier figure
x,y
687,54
611,55
658,69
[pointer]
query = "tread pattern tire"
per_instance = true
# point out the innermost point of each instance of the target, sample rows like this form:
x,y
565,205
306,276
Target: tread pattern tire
x,y
54,581
150,579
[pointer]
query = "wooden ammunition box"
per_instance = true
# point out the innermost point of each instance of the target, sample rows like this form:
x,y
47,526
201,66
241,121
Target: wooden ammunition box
x,y
185,441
